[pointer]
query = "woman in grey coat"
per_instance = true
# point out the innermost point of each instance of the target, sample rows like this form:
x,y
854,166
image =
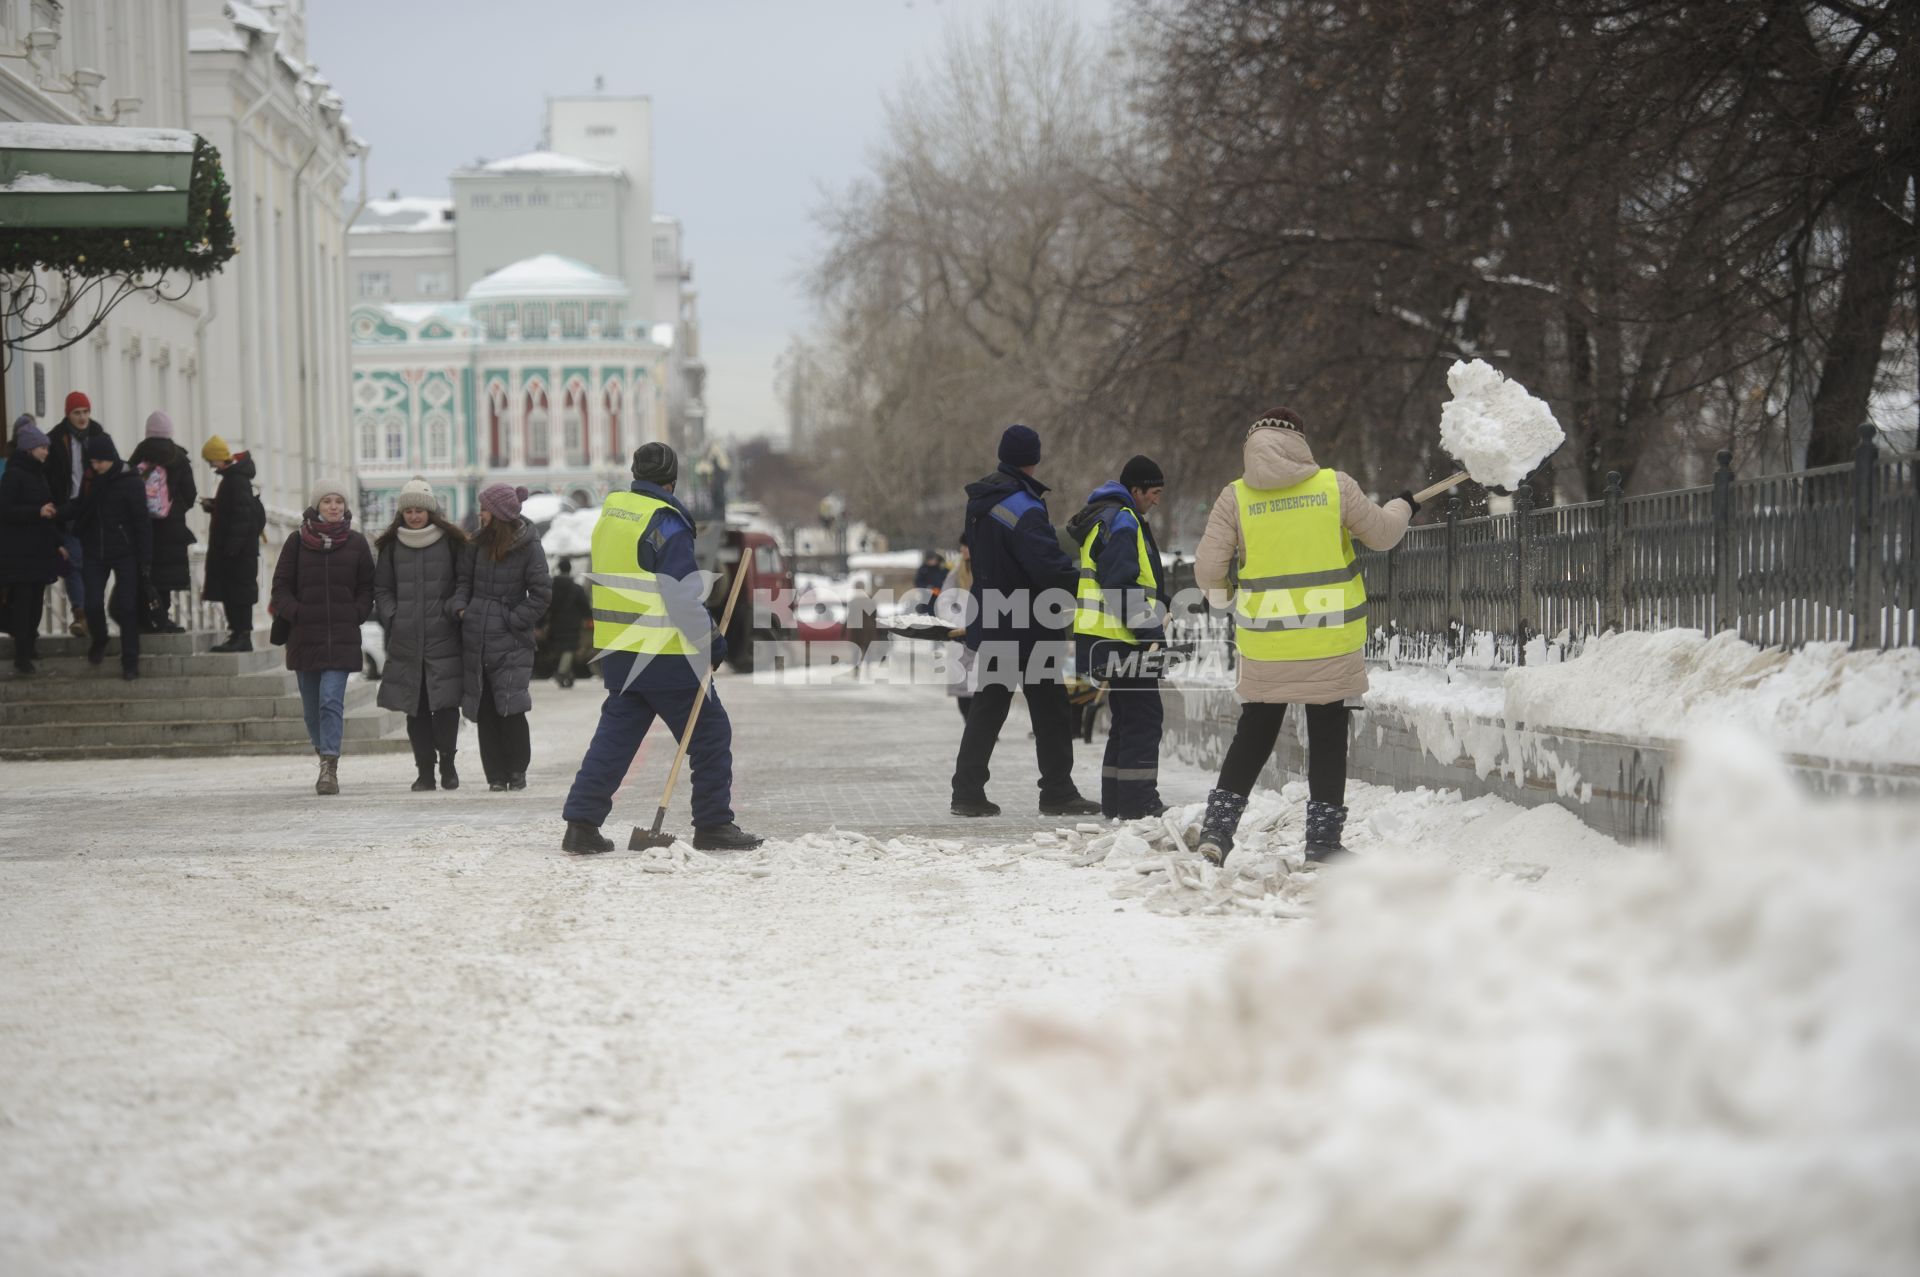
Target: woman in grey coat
x,y
413,587
503,592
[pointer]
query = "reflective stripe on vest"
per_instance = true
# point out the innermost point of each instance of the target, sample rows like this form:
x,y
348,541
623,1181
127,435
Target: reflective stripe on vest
x,y
1300,598
1098,613
629,612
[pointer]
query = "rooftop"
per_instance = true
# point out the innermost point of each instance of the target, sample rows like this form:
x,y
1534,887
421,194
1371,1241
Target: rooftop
x,y
405,213
548,275
548,162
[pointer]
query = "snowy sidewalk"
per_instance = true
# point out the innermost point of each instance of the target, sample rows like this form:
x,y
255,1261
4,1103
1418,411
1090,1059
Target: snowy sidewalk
x,y
246,1029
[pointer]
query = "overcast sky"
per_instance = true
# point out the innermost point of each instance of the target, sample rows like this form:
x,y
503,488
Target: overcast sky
x,y
757,105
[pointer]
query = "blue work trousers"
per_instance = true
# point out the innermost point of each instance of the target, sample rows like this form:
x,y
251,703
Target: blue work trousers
x,y
625,718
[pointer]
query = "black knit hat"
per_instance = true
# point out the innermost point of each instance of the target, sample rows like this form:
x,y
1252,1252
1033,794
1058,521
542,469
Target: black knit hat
x,y
100,448
655,463
1020,446
1142,473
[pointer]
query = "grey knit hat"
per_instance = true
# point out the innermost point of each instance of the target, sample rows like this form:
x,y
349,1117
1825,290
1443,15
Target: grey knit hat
x,y
417,494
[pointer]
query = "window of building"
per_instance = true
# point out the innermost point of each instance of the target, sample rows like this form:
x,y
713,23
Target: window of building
x,y
537,199
479,200
369,437
566,199
432,283
593,199
539,426
572,318
396,431
662,250
374,283
497,426
574,425
510,199
600,130
439,428
535,324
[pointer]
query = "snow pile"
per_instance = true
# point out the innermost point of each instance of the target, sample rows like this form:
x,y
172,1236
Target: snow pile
x,y
570,533
1702,1063
1495,428
1824,699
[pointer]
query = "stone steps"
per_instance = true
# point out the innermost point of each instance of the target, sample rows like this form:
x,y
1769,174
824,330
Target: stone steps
x,y
282,701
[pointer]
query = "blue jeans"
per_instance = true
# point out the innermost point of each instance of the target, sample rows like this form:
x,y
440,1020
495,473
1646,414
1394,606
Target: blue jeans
x,y
76,583
624,720
323,698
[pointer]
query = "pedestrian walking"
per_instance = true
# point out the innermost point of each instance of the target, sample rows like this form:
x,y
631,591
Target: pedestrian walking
x,y
30,540
566,615
167,474
322,591
414,583
927,580
1120,618
656,643
1023,585
116,541
69,477
234,531
956,599
1300,617
502,594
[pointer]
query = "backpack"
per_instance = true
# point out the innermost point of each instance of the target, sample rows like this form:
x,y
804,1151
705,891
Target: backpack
x,y
159,496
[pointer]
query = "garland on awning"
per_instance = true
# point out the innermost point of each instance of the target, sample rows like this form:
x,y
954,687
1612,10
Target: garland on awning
x,y
200,248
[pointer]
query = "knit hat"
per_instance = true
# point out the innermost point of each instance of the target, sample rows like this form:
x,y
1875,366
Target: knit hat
x,y
417,494
329,485
78,400
501,501
1278,419
159,425
655,463
27,434
1020,446
100,448
215,450
1142,472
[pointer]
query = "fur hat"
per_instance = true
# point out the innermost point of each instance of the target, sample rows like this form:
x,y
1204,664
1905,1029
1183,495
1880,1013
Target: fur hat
x,y
501,501
159,425
417,494
1020,446
215,450
27,434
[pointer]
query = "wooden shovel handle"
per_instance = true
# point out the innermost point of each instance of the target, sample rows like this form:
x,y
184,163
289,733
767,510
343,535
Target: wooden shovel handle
x,y
1428,493
726,619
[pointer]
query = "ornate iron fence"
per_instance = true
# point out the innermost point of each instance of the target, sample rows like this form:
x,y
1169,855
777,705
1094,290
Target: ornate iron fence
x,y
1814,556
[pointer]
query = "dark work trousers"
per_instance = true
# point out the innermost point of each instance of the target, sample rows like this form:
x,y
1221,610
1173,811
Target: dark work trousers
x,y
966,706
1259,732
25,602
1042,682
125,602
625,717
239,618
506,747
433,731
1130,772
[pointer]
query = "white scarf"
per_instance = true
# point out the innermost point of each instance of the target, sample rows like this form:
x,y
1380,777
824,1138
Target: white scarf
x,y
419,538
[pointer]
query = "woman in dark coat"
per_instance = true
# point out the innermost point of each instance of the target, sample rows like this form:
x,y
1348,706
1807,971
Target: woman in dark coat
x,y
116,540
233,542
413,585
503,592
171,536
323,589
30,556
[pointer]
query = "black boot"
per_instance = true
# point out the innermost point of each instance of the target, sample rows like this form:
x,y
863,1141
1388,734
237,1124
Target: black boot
x,y
1325,823
238,643
449,778
583,839
727,837
1224,808
1071,806
424,782
974,806
518,780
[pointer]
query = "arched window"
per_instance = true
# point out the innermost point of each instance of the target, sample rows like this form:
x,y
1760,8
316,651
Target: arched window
x,y
369,437
581,497
497,426
613,395
439,429
539,425
396,432
574,424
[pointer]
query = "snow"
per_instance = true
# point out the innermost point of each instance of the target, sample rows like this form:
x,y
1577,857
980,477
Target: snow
x,y
88,137
570,533
887,560
411,313
44,184
1493,427
547,275
245,15
1695,1063
212,40
550,162
404,213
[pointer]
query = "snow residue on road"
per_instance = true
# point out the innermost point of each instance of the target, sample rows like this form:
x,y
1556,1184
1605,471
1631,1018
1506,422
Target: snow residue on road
x,y
1699,1063
1493,427
1824,699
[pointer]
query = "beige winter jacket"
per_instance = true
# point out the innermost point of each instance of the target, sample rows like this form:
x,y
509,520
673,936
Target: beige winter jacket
x,y
1279,459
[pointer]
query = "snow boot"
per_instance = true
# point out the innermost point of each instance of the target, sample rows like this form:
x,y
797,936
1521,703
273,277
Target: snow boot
x,y
238,643
97,653
978,806
1325,822
517,780
77,627
449,778
727,837
1073,806
329,782
583,839
1224,808
424,782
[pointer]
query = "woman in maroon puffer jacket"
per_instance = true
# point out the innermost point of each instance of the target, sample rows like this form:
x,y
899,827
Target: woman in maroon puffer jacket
x,y
323,590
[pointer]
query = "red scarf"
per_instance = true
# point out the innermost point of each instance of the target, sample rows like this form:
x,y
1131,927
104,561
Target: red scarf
x,y
324,537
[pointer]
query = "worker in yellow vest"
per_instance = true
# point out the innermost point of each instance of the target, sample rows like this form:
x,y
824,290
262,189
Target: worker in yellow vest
x,y
1286,529
1119,617
654,643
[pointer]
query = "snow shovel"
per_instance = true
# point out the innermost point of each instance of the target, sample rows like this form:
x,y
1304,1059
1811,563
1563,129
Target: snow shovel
x,y
644,838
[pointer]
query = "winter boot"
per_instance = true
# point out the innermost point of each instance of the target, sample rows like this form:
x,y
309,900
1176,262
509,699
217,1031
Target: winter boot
x,y
449,778
1324,825
976,806
1224,808
424,782
1073,806
727,837
584,839
517,781
329,782
77,627
237,643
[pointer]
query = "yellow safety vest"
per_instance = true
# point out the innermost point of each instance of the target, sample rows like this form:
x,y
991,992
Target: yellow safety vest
x,y
1300,598
1095,614
629,612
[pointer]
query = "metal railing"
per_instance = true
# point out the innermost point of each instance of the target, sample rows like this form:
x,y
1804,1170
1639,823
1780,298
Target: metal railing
x,y
1820,555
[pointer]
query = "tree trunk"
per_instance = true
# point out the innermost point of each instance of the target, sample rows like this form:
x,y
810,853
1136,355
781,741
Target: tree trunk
x,y
1867,285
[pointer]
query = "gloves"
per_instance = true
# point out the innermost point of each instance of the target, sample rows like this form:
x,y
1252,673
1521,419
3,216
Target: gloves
x,y
1407,497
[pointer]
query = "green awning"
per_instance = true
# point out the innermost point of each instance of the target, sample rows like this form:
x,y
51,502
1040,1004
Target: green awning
x,y
55,176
